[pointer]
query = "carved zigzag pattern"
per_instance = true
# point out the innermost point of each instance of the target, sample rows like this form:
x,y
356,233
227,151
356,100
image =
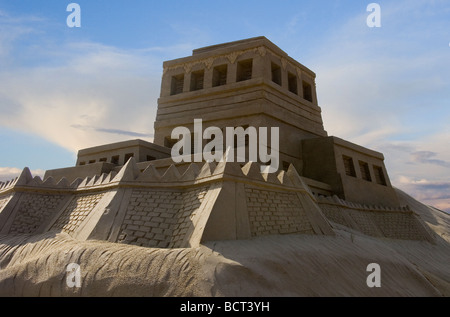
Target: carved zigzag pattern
x,y
335,200
173,174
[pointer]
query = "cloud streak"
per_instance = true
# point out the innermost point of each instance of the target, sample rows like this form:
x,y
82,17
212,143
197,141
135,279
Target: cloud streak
x,y
387,89
372,80
426,157
113,131
84,84
431,192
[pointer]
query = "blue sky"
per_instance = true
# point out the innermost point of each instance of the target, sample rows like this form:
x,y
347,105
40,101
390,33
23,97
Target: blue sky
x,y
387,88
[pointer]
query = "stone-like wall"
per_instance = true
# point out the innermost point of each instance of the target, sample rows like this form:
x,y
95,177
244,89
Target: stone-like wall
x,y
159,218
377,221
397,225
190,203
33,210
275,212
76,212
177,207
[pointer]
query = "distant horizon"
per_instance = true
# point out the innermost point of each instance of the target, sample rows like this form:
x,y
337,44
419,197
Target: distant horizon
x,y
68,88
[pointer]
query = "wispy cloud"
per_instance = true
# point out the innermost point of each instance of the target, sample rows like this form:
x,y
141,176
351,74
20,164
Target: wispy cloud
x,y
9,173
387,89
83,84
113,131
372,80
427,157
431,192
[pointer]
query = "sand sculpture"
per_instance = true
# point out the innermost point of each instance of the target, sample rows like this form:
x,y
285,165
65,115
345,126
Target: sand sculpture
x,y
137,223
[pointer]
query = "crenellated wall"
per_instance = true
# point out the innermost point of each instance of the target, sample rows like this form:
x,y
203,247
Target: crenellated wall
x,y
378,221
168,207
182,205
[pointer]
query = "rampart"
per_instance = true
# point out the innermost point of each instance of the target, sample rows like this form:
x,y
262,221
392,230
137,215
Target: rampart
x,y
183,205
176,206
378,221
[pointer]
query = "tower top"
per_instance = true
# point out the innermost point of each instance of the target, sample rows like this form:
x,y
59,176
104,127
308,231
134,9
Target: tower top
x,y
229,44
250,82
260,43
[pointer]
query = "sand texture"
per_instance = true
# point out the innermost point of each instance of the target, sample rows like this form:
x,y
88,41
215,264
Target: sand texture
x,y
278,265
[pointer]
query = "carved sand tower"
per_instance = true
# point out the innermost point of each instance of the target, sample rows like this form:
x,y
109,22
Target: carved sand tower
x,y
134,193
240,84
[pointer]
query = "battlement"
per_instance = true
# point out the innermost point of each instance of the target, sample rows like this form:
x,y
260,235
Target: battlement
x,y
177,206
183,205
376,220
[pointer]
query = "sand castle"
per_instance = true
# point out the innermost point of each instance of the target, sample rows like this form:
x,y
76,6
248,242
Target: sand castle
x,y
132,192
